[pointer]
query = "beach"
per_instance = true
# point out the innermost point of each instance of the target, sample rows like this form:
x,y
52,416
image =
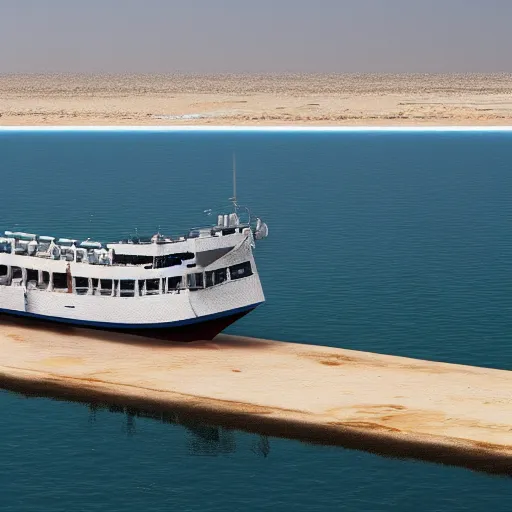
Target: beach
x,y
256,100
447,413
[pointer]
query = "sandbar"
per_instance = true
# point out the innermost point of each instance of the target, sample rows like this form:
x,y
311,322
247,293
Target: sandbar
x,y
453,414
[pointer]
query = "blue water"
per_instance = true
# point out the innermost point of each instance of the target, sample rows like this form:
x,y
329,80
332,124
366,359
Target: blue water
x,y
399,243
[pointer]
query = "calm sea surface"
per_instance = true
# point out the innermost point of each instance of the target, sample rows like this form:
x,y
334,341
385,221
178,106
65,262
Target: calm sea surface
x,y
399,243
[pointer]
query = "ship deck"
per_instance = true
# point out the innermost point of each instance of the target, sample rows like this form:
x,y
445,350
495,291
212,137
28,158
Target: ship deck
x,y
395,406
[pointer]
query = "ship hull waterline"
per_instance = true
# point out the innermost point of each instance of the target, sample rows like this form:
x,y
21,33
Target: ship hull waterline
x,y
205,328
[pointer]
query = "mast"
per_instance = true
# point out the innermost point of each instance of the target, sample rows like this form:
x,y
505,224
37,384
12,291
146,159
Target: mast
x,y
234,180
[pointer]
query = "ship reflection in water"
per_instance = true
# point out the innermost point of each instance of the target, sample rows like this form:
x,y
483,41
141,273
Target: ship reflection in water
x,y
203,439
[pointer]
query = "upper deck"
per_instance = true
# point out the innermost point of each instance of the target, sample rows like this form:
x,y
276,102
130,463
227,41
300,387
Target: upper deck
x,y
156,252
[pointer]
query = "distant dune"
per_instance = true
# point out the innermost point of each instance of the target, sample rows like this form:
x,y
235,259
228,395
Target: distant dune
x,y
350,99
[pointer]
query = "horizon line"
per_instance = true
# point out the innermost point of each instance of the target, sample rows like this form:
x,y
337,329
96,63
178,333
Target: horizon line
x,y
256,73
227,128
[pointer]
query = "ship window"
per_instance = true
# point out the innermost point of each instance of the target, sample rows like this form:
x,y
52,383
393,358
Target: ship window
x,y
45,281
81,285
209,278
173,283
5,247
17,273
220,275
60,281
106,286
81,282
195,281
32,275
170,260
240,270
3,270
127,288
129,259
228,231
152,286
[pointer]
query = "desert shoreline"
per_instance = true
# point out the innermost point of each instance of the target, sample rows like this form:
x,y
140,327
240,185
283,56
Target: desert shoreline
x,y
256,100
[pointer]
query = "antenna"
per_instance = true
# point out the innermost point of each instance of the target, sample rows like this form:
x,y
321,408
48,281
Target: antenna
x,y
234,180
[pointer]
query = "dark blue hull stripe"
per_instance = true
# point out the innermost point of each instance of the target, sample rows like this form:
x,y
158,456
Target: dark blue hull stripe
x,y
108,325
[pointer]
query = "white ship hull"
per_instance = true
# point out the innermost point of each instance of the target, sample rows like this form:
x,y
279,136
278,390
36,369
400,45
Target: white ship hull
x,y
149,313
182,312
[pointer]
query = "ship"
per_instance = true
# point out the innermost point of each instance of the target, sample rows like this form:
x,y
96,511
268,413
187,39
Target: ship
x,y
181,288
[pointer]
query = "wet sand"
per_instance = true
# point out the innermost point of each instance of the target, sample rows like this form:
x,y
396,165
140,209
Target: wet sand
x,y
260,100
396,406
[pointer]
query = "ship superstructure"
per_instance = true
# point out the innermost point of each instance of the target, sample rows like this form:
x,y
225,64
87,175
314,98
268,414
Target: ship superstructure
x,y
185,288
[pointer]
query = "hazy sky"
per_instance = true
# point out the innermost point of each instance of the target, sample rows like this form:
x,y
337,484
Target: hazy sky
x,y
255,36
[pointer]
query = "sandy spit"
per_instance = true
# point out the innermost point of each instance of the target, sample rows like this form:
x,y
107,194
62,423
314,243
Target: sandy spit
x,y
452,414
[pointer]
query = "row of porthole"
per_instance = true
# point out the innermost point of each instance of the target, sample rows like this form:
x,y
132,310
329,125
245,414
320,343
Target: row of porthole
x,y
123,287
